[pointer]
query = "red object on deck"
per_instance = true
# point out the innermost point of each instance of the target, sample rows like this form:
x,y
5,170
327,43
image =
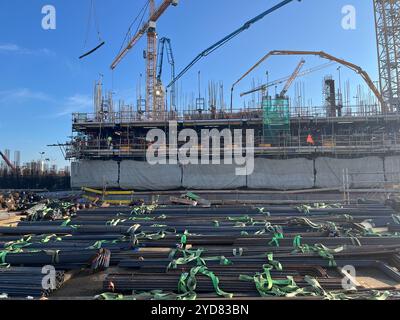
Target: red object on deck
x,y
310,139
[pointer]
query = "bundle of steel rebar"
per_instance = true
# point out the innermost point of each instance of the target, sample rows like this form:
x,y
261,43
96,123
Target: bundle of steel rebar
x,y
27,281
224,249
96,259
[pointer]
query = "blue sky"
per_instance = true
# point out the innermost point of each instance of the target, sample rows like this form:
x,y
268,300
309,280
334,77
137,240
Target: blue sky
x,y
42,81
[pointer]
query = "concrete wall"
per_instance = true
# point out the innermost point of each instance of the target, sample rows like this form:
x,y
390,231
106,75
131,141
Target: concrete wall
x,y
293,174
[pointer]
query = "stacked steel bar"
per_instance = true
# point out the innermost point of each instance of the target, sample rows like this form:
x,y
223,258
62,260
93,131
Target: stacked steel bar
x,y
223,249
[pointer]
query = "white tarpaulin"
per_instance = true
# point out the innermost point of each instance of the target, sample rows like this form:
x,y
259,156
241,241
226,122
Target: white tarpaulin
x,y
365,172
392,169
282,174
143,176
212,177
94,174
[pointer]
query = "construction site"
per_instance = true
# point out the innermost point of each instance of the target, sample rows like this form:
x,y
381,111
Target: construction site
x,y
276,198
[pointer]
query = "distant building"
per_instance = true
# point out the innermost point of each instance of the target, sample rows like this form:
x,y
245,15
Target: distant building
x,y
17,159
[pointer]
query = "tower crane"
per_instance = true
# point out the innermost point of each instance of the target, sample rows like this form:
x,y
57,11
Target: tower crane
x,y
165,44
292,78
148,28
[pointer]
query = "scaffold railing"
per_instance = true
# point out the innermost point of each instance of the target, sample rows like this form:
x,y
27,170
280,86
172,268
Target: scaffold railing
x,y
362,111
354,144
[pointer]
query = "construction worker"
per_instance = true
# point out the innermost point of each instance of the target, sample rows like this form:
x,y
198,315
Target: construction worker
x,y
109,142
310,140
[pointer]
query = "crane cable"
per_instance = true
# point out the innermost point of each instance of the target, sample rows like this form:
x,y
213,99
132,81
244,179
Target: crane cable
x,y
140,15
92,14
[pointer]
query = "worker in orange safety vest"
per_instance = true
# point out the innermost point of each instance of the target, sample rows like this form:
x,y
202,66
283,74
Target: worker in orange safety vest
x,y
310,140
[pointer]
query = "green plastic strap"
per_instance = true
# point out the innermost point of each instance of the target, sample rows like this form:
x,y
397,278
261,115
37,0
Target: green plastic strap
x,y
184,240
192,196
3,255
245,219
66,223
188,283
195,255
153,236
111,296
266,286
326,253
17,245
315,285
142,218
158,226
115,222
348,217
275,239
50,237
189,256
297,241
307,222
99,244
133,228
276,264
378,295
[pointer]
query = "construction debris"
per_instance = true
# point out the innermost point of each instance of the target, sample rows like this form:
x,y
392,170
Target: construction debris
x,y
15,201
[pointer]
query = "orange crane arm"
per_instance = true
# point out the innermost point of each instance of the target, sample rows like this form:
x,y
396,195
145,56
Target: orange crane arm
x,y
324,55
154,17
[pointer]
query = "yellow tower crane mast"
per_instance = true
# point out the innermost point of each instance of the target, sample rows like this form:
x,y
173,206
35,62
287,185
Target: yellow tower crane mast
x,y
154,95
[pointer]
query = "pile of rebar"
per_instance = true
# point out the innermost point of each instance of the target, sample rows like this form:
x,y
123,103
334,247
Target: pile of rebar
x,y
179,252
28,282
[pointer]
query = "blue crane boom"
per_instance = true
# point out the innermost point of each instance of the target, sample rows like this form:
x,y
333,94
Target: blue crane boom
x,y
165,44
229,37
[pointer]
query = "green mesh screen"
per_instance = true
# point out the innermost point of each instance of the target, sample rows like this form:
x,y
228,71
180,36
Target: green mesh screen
x,y
276,119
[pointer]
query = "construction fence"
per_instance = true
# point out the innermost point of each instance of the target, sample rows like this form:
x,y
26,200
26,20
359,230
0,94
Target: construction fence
x,y
291,174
